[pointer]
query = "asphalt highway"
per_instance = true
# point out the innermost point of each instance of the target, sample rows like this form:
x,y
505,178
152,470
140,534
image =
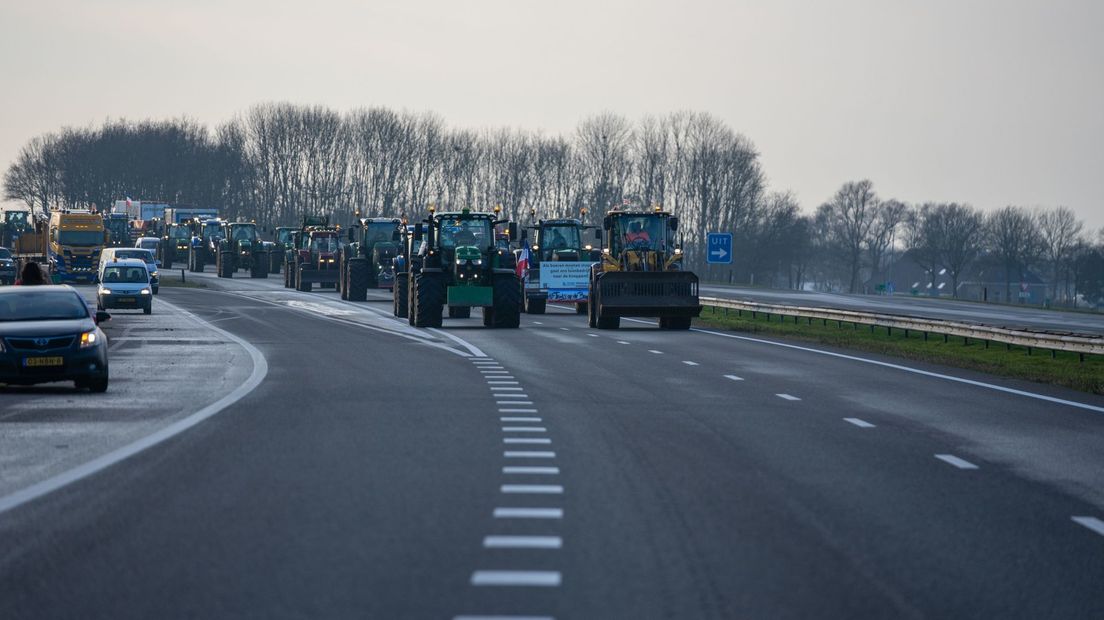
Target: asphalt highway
x,y
556,471
946,309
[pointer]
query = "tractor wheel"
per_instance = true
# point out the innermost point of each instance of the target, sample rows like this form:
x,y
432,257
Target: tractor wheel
x,y
459,312
399,294
581,307
429,300
287,281
356,280
372,281
225,265
535,306
592,309
300,284
507,302
260,266
607,322
342,277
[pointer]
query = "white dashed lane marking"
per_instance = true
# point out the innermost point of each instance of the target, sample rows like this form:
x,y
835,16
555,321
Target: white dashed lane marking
x,y
520,411
517,440
522,542
859,423
734,377
541,471
529,454
787,397
539,578
593,335
957,462
654,351
623,342
517,418
524,429
689,363
528,513
499,388
1092,523
503,618
537,489
514,402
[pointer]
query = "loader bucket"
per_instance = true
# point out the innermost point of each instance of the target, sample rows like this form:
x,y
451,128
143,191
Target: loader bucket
x,y
649,294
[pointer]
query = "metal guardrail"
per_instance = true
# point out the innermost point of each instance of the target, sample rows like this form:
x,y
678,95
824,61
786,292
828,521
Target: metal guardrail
x,y
1054,341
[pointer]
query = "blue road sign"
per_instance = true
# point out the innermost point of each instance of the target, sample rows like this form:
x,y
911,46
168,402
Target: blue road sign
x,y
719,249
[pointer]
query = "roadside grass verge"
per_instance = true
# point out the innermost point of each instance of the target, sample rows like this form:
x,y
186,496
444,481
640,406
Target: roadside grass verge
x,y
1063,368
175,282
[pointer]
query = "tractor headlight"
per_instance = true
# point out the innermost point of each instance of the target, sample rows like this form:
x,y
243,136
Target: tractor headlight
x,y
478,261
88,339
535,247
678,251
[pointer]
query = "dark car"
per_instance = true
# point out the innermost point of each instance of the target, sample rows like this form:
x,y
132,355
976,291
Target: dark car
x,y
7,267
48,333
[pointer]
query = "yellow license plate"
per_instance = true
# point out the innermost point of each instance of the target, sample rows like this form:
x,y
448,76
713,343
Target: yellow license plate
x,y
44,361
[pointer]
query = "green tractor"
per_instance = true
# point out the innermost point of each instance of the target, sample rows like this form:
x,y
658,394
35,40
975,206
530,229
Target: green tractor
x,y
367,261
174,244
283,240
241,248
459,265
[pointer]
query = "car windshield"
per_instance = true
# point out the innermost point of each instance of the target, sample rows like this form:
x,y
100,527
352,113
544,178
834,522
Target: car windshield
x,y
324,244
148,244
644,232
138,253
456,232
80,237
125,275
284,236
32,304
553,238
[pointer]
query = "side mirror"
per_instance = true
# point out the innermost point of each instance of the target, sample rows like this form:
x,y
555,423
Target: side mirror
x,y
102,317
607,222
598,234
673,223
418,232
512,229
351,237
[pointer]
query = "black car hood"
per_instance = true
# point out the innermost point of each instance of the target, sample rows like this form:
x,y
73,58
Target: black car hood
x,y
45,328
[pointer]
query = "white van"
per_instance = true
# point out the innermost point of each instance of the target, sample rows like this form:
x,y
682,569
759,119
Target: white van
x,y
109,255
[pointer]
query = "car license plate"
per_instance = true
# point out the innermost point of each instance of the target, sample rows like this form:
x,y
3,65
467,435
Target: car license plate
x,y
125,300
44,361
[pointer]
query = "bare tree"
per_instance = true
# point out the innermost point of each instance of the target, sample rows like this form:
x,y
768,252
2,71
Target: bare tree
x,y
852,214
961,236
1012,236
1060,233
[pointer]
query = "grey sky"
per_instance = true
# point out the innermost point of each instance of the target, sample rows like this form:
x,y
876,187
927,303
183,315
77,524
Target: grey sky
x,y
993,103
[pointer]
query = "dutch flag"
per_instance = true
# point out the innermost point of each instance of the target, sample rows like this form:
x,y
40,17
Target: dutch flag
x,y
523,261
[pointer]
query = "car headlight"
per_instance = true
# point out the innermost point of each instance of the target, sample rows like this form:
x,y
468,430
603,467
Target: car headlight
x,y
153,274
105,291
88,339
145,291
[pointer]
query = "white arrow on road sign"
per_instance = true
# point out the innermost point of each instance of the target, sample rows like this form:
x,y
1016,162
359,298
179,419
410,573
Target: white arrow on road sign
x,y
720,253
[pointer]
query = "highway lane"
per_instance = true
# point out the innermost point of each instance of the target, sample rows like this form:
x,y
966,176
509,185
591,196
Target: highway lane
x,y
163,366
987,314
689,485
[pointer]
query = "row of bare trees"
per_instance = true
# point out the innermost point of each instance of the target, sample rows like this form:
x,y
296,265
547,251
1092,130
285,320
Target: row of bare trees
x,y
277,162
856,235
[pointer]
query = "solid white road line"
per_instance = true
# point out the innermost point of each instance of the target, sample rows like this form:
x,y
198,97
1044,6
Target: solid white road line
x,y
787,397
520,411
538,489
529,454
260,370
654,351
1092,523
517,418
957,462
859,423
503,618
926,373
734,377
541,578
546,471
689,363
524,429
522,542
528,513
515,440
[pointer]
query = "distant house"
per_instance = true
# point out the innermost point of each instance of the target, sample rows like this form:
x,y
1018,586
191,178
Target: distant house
x,y
984,280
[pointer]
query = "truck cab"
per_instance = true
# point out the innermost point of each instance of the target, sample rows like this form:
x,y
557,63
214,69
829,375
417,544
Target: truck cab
x,y
76,238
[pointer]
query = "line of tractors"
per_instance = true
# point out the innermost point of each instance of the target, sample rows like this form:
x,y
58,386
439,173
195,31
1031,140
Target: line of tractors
x,y
450,262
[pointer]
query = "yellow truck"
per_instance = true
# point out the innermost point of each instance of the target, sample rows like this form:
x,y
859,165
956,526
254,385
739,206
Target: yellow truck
x,y
76,238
